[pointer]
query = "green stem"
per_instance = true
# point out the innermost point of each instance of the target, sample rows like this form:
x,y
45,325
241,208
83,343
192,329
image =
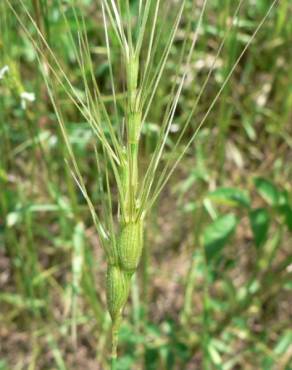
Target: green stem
x,y
129,175
192,272
206,337
134,116
114,363
115,334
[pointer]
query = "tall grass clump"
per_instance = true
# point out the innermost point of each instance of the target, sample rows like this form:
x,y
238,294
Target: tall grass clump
x,y
145,33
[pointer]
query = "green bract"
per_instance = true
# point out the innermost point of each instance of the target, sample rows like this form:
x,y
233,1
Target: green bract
x,y
117,288
130,246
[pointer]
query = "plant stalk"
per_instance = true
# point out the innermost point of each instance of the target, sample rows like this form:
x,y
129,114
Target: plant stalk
x,y
129,243
115,332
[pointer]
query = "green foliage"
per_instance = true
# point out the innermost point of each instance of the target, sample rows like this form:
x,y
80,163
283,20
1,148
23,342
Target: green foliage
x,y
230,196
217,234
260,221
267,190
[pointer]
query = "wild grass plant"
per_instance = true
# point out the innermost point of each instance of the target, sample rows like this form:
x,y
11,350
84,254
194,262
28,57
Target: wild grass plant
x,y
138,32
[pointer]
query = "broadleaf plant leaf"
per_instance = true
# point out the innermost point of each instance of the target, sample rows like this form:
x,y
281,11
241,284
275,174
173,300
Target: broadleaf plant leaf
x,y
217,234
286,211
230,196
267,190
260,222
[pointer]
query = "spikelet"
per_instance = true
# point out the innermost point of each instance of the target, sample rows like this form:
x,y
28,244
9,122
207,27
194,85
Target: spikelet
x,y
117,290
130,246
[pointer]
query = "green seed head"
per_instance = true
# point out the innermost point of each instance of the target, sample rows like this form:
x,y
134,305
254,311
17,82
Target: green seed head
x,y
117,289
130,246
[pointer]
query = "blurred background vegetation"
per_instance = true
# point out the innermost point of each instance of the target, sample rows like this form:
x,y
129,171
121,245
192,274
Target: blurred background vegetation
x,y
214,287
